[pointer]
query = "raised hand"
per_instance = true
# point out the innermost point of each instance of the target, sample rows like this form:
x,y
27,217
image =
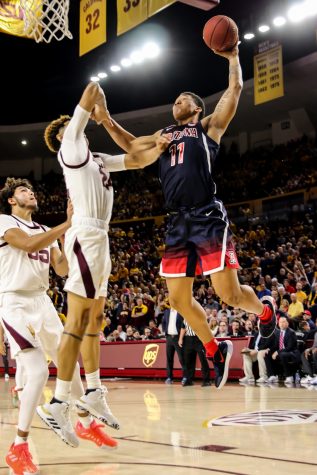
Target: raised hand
x,y
228,54
100,114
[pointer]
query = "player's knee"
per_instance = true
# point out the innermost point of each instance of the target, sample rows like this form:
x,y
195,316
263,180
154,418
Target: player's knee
x,y
176,302
78,326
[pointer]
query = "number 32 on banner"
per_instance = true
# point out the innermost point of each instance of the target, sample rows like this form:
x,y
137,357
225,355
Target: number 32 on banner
x,y
93,19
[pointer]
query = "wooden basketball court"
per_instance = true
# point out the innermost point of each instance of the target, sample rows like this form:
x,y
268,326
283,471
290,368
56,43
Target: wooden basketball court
x,y
176,430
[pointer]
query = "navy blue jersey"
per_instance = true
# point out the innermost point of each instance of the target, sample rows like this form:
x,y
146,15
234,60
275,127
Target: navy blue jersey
x,y
186,166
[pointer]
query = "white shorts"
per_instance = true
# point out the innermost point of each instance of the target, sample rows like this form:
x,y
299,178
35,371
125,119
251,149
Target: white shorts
x,y
30,321
87,252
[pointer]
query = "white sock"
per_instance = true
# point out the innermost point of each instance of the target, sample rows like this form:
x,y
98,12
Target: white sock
x,y
93,380
20,440
62,390
86,420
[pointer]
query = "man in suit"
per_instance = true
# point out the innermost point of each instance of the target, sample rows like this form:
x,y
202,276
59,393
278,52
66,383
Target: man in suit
x,y
235,331
283,353
256,352
171,325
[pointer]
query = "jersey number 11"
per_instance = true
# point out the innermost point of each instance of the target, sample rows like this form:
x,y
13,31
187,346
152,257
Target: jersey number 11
x,y
177,150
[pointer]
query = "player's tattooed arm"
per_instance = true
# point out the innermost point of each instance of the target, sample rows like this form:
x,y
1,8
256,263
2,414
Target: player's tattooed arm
x,y
217,123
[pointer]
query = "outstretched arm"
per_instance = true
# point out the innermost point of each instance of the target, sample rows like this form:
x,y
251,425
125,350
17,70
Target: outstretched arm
x,y
128,142
145,157
217,123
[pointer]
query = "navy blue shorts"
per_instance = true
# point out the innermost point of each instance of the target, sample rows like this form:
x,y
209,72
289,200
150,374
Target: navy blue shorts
x,y
198,241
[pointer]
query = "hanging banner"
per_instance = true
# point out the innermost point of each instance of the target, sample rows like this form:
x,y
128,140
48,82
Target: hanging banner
x,y
130,13
268,74
92,25
202,4
155,6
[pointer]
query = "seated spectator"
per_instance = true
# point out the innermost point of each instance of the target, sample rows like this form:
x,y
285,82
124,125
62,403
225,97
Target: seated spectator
x,y
263,290
296,308
248,329
224,308
107,328
256,352
139,314
136,335
130,336
235,330
124,314
282,355
116,336
301,296
122,334
309,363
147,334
155,332
307,318
284,306
222,330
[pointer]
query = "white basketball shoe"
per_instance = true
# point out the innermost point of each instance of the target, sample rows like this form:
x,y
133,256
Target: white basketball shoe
x,y
95,403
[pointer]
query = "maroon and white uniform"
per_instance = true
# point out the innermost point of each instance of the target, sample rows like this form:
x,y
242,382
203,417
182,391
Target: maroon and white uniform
x,y
27,313
90,190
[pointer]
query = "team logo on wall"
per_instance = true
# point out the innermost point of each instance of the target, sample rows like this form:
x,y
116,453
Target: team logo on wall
x,y
150,355
265,418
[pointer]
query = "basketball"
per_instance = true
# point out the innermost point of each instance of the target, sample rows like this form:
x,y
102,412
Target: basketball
x,y
220,33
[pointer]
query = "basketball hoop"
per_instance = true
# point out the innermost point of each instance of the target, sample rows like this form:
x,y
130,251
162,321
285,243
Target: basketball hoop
x,y
45,20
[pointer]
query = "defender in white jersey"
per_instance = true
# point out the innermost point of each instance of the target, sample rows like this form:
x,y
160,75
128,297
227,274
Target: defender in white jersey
x,y
87,177
27,314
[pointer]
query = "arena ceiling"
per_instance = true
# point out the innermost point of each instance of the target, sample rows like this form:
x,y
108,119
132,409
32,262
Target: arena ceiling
x,y
52,81
300,93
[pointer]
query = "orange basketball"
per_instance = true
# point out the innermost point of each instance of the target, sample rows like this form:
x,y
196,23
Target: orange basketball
x,y
220,33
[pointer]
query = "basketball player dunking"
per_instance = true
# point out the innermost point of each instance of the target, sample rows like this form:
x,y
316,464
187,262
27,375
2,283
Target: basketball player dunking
x,y
28,316
198,239
87,250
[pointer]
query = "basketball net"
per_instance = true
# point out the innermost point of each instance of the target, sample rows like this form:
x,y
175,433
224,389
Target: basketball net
x,y
45,20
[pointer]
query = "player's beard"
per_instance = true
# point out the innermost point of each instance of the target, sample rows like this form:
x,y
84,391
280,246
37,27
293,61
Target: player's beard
x,y
32,207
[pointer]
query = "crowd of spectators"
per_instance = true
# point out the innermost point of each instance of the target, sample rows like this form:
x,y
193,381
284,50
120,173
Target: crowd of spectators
x,y
276,259
268,171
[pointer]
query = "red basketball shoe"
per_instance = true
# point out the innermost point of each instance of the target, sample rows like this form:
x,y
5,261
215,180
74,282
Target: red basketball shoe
x,y
20,461
96,435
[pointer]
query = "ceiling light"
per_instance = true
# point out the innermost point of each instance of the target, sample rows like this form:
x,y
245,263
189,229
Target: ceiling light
x,y
279,21
115,68
102,75
24,142
297,13
311,7
248,36
151,50
137,56
94,78
126,62
264,28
